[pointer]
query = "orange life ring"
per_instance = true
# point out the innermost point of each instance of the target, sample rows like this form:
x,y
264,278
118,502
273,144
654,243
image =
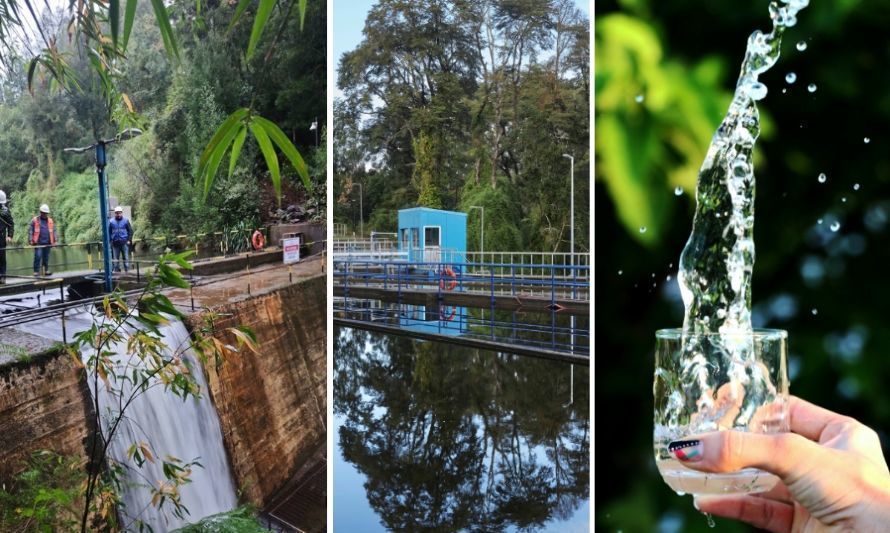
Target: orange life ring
x,y
451,283
258,240
442,313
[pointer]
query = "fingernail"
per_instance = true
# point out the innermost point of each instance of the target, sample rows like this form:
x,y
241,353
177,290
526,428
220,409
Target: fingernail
x,y
688,451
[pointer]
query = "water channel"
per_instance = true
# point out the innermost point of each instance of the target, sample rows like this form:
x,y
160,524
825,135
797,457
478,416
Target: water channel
x,y
434,436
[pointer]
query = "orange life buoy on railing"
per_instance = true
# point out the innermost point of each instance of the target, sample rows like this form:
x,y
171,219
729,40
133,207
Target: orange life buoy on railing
x,y
258,240
443,314
452,283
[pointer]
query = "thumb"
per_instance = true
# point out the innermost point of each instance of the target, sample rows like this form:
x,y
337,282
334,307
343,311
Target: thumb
x,y
787,455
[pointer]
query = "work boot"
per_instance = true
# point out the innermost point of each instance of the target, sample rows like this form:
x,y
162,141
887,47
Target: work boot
x,y
47,274
37,274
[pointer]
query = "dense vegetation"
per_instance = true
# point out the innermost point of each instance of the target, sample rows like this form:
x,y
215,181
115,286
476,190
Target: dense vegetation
x,y
179,103
449,104
826,288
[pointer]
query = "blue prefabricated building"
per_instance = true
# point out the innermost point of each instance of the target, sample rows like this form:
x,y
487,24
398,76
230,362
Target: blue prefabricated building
x,y
433,235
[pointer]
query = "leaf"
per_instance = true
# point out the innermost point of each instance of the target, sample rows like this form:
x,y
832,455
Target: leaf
x,y
242,5
127,102
259,24
302,7
114,15
167,34
215,141
129,16
245,338
287,147
268,150
236,148
32,66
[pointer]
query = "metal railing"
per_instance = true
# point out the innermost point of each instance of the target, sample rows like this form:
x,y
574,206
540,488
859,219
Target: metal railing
x,y
494,279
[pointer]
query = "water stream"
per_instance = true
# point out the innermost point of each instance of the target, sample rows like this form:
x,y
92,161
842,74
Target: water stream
x,y
717,263
186,429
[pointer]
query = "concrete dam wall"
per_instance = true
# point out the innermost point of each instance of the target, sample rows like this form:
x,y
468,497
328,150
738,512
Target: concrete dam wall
x,y
271,404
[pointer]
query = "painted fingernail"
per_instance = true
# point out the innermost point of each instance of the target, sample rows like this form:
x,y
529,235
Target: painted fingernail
x,y
688,451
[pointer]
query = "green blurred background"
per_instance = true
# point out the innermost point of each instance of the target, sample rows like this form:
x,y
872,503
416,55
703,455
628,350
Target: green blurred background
x,y
830,290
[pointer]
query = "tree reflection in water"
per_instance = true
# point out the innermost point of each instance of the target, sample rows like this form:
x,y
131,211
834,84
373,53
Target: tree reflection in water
x,y
451,438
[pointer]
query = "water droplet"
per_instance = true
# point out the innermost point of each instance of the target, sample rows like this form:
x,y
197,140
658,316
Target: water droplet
x,y
678,191
822,177
668,278
784,91
757,91
791,77
671,265
653,274
815,311
819,221
643,229
835,226
843,199
801,46
639,98
620,272
855,186
812,87
866,140
710,520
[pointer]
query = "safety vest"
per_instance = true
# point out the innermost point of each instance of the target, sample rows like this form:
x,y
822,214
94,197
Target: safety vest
x,y
49,226
119,232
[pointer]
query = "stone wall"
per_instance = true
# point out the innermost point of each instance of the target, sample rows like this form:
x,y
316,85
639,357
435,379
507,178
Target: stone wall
x,y
272,405
44,404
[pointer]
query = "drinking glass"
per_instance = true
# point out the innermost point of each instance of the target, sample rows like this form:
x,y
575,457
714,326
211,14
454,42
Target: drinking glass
x,y
717,382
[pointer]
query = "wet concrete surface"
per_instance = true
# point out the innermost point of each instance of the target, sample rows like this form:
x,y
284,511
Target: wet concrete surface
x,y
231,287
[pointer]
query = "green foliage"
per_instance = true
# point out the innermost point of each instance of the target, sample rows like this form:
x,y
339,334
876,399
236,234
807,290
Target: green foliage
x,y
426,173
659,143
45,496
501,212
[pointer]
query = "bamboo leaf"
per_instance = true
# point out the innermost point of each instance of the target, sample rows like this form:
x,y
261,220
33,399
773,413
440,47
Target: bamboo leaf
x,y
218,136
287,147
114,15
236,148
302,7
262,138
242,5
264,11
129,17
216,158
167,34
31,68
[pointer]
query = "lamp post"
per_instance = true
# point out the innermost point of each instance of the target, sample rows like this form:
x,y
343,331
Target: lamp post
x,y
361,216
572,256
101,161
481,232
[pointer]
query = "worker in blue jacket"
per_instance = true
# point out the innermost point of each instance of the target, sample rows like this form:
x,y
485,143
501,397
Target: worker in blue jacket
x,y
121,233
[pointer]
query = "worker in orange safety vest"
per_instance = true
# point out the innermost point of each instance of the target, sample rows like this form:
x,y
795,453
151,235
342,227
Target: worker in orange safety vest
x,y
42,234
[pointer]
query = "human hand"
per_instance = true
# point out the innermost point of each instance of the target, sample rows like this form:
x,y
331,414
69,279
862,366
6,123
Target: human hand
x,y
833,474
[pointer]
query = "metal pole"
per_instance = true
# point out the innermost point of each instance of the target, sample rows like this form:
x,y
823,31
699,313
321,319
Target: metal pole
x,y
103,213
572,236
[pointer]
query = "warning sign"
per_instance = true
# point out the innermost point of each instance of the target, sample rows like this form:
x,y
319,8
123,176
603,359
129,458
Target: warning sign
x,y
291,250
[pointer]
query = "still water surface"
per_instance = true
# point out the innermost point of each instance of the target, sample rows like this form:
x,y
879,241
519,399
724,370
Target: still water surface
x,y
432,436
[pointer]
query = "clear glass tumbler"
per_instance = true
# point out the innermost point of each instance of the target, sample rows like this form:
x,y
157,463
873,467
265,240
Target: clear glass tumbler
x,y
716,382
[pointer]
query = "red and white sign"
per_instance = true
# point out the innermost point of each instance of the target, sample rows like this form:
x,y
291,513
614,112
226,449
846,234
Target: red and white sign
x,y
291,250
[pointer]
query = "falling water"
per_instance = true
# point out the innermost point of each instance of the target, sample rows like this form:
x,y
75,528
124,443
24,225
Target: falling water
x,y
717,262
186,429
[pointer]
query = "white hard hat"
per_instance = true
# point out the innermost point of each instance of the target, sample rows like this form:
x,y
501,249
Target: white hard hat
x,y
44,208
118,209
2,197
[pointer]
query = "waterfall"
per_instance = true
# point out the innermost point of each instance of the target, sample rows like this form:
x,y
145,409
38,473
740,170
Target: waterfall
x,y
186,429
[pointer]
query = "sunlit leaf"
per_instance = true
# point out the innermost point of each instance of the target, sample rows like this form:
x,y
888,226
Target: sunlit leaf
x,y
302,8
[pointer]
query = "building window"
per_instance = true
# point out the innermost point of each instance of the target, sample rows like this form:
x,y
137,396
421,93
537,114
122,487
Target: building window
x,y
431,236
